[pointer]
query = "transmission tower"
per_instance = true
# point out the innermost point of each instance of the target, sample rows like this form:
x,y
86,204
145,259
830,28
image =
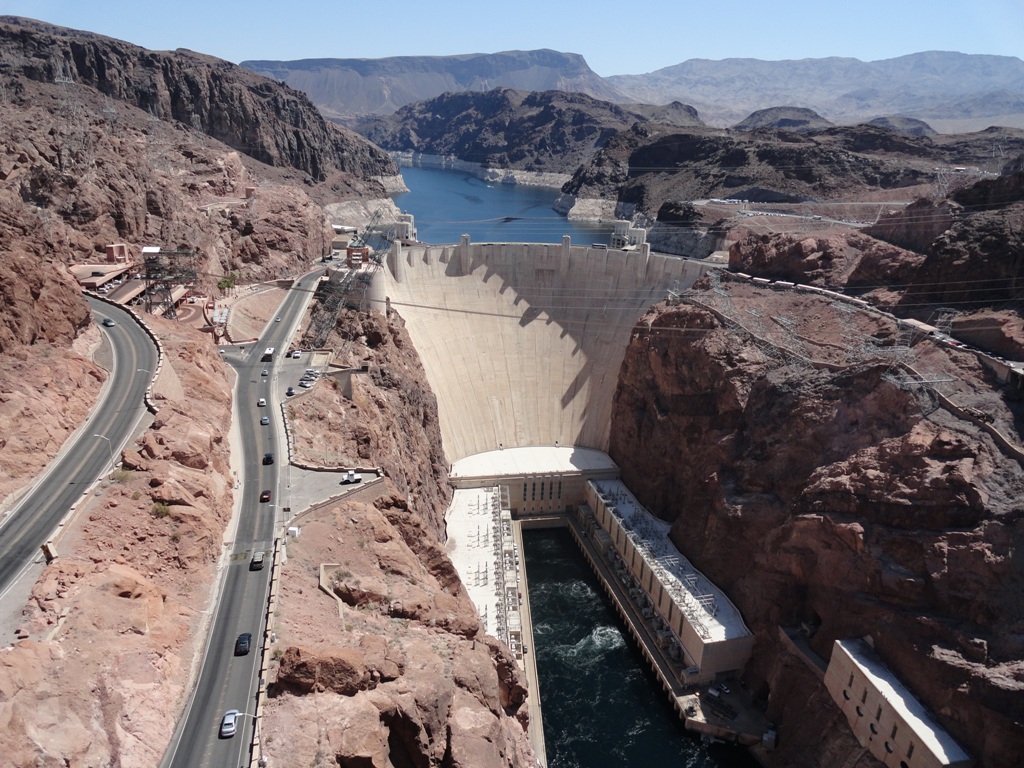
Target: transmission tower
x,y
163,271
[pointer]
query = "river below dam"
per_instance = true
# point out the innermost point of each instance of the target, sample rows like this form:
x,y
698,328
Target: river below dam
x,y
448,204
602,706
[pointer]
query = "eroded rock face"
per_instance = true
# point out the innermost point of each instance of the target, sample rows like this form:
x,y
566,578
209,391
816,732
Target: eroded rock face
x,y
825,496
391,422
113,624
390,644
386,648
262,118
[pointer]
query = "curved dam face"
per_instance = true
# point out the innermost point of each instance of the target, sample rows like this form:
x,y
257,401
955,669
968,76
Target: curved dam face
x,y
522,342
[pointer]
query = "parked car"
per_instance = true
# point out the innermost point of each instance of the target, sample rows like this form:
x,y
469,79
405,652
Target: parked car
x,y
256,564
351,477
242,644
265,496
264,421
297,354
290,391
305,384
229,724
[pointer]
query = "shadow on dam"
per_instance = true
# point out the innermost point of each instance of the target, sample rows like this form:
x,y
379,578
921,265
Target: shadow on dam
x,y
522,342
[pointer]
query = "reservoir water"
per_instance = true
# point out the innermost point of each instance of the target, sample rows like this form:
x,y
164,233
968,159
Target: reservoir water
x,y
602,706
448,204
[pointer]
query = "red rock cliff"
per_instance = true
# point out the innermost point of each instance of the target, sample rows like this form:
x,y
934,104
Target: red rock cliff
x,y
817,492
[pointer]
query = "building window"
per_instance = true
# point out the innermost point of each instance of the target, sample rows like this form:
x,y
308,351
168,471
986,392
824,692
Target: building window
x,y
874,729
848,685
878,715
860,712
524,491
888,747
893,734
910,750
846,695
533,491
864,696
542,490
559,489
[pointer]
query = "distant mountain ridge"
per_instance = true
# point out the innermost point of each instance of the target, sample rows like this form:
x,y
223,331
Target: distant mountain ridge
x,y
351,87
953,92
929,86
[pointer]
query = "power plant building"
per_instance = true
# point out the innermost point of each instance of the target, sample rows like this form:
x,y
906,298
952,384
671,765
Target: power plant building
x,y
705,623
886,718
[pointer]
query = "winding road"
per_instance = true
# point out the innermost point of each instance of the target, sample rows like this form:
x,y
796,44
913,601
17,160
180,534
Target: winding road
x,y
90,453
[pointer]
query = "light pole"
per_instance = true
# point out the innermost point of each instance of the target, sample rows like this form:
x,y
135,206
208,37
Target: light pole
x,y
259,739
110,446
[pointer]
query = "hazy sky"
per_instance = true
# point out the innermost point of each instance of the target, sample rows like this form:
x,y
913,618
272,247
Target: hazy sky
x,y
615,38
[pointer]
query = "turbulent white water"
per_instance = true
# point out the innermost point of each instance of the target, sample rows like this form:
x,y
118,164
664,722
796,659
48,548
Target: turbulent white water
x,y
601,706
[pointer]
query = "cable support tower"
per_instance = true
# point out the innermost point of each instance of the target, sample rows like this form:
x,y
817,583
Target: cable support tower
x,y
165,271
942,319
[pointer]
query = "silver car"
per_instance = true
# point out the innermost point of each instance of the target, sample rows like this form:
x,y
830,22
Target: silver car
x,y
229,724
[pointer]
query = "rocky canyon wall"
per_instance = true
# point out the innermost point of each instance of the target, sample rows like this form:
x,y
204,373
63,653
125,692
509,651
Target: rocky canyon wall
x,y
820,495
384,661
262,118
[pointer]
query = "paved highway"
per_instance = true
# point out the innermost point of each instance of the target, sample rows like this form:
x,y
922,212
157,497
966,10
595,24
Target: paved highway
x,y
91,453
227,681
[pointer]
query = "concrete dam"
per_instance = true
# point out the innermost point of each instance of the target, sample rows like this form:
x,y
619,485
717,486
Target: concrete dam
x,y
522,342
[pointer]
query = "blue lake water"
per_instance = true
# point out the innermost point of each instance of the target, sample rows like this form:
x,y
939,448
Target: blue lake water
x,y
602,706
448,204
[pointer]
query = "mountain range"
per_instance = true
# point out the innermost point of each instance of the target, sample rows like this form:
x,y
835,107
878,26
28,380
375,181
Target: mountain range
x,y
953,92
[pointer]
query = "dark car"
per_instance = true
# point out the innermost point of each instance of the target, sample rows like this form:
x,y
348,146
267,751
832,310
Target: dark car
x,y
256,564
290,392
268,458
265,496
243,643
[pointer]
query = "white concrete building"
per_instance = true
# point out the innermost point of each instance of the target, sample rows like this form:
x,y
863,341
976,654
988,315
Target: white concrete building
x,y
537,480
701,618
884,715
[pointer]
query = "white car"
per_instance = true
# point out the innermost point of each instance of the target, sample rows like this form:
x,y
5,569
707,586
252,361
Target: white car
x,y
277,320
351,477
261,402
265,372
297,354
229,724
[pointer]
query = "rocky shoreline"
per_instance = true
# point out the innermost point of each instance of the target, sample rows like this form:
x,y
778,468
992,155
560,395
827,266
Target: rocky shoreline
x,y
497,175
